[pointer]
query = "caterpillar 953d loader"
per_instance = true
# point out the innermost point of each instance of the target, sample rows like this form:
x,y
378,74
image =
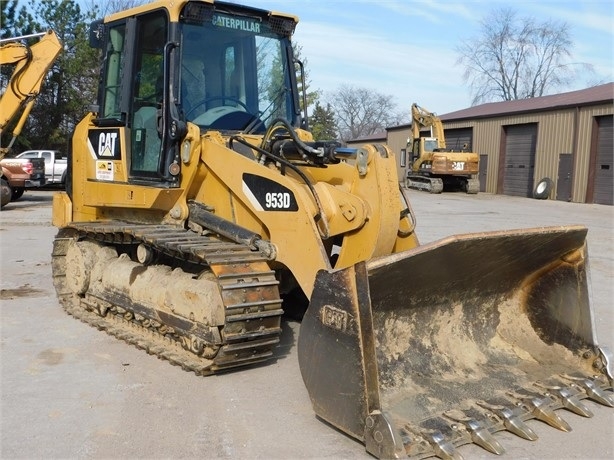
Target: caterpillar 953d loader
x,y
434,165
200,209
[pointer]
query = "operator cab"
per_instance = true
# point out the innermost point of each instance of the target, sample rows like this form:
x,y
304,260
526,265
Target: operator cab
x,y
430,144
221,67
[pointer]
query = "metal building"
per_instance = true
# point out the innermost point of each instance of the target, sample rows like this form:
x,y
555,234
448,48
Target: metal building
x,y
567,138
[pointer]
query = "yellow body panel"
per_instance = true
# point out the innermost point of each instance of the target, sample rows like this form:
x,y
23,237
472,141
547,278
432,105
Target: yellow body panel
x,y
62,210
363,208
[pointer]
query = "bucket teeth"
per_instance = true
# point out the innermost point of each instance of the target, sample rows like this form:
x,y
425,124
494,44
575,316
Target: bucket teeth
x,y
593,391
598,395
541,410
443,448
482,437
571,402
511,421
568,398
515,425
479,434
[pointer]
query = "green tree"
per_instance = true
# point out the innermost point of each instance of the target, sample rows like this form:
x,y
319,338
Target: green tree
x,y
273,79
322,123
8,16
311,96
73,81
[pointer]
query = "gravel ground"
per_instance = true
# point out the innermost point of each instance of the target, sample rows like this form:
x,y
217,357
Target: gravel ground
x,y
70,391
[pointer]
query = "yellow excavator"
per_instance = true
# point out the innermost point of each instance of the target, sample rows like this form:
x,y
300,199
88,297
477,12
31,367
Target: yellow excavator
x,y
434,166
31,64
199,210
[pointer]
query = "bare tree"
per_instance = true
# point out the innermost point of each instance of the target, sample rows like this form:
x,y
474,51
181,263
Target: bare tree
x,y
361,112
517,58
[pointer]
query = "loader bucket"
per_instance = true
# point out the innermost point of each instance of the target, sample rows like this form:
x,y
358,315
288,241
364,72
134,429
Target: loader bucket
x,y
419,352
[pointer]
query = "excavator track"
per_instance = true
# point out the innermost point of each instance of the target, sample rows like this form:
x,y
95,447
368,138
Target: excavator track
x,y
472,186
436,185
427,184
247,287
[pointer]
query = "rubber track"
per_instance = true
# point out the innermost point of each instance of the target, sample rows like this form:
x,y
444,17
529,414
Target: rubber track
x,y
239,270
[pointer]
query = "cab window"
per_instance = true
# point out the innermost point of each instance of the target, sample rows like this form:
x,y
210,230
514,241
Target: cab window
x,y
147,93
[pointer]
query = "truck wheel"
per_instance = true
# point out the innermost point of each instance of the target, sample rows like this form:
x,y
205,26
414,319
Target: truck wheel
x,y
5,188
17,193
543,189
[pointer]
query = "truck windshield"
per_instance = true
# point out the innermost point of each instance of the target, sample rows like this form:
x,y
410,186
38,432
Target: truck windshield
x,y
234,74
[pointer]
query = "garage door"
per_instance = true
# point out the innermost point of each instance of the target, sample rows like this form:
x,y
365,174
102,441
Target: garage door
x,y
519,159
457,138
604,166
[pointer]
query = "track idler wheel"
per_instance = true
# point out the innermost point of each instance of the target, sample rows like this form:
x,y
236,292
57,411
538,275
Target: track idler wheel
x,y
80,260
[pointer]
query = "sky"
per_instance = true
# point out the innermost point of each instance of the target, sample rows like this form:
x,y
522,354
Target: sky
x,y
406,48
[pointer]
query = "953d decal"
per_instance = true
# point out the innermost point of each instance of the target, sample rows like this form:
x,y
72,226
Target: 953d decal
x,y
268,195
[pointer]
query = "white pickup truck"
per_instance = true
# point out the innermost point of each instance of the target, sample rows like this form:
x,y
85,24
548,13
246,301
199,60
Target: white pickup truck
x,y
55,164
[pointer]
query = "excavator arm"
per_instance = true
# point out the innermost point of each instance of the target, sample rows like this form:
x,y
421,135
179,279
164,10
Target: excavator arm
x,y
422,118
31,65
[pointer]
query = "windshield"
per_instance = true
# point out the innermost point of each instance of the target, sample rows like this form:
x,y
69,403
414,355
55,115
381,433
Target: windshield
x,y
234,74
430,144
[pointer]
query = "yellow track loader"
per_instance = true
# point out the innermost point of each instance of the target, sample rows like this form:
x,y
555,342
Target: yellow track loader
x,y
199,210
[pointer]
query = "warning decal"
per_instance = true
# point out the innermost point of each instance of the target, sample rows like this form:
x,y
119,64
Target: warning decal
x,y
104,170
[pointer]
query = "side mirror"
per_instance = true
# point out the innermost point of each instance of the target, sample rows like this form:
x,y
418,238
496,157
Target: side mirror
x,y
96,37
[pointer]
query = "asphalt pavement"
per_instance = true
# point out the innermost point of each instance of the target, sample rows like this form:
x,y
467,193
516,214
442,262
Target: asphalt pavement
x,y
71,391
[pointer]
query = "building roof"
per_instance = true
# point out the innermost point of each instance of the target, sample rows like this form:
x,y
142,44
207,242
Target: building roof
x,y
379,136
589,96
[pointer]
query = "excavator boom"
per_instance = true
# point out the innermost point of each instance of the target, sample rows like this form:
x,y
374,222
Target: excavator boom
x,y
31,64
422,118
